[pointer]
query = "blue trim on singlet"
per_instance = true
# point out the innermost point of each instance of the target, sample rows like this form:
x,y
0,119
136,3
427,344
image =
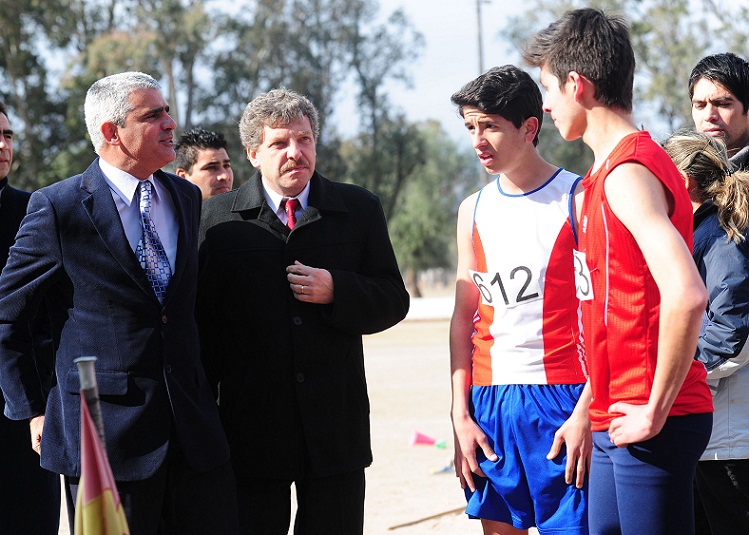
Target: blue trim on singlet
x,y
542,186
570,208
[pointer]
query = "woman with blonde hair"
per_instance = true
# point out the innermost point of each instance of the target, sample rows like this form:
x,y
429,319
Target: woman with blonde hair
x,y
720,198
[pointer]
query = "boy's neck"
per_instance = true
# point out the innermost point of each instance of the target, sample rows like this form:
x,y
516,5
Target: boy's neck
x,y
606,127
531,173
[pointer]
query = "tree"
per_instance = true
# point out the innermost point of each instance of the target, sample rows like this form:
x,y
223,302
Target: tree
x,y
380,54
668,38
422,225
37,113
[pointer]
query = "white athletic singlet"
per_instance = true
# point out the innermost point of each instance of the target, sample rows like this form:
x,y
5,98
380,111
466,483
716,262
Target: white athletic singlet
x,y
527,324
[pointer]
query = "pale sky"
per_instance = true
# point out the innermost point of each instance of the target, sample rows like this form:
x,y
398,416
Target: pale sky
x,y
449,58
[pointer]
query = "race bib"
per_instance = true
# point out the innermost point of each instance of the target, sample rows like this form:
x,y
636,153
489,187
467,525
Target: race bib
x,y
515,286
583,284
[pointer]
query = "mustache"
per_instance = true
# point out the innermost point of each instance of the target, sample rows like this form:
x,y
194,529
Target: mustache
x,y
291,164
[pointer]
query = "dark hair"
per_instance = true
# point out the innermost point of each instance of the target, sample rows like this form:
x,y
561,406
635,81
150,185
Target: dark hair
x,y
726,69
3,109
192,142
506,91
593,44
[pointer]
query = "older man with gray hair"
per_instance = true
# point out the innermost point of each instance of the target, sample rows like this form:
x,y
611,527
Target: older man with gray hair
x,y
113,253
294,269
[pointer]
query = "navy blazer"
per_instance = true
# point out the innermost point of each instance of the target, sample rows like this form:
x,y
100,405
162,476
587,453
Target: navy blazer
x,y
72,252
293,396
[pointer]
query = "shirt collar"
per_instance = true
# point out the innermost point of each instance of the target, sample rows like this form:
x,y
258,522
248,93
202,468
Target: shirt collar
x,y
274,199
122,183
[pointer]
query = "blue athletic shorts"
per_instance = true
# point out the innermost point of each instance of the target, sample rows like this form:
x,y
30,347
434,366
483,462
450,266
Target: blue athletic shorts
x,y
522,487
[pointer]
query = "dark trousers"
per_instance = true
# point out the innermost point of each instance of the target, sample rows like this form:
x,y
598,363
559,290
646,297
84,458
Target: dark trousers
x,y
647,487
176,500
325,506
723,490
29,494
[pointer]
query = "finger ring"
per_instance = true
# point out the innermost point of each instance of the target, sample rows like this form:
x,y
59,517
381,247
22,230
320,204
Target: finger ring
x,y
302,288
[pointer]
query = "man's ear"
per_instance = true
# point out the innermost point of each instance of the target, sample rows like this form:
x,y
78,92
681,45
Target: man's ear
x,y
252,157
181,172
109,131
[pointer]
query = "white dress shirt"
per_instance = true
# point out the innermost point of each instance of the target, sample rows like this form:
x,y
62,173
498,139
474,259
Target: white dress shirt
x,y
274,200
124,190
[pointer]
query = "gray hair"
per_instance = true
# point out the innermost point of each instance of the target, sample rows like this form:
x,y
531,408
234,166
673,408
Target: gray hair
x,y
277,107
108,100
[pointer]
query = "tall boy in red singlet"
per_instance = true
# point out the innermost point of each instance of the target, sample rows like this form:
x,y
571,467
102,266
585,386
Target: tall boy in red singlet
x,y
651,410
522,439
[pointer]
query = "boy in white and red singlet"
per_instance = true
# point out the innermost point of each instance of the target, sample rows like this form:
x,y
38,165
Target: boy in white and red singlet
x,y
522,445
651,409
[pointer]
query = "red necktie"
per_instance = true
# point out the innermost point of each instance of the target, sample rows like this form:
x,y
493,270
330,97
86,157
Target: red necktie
x,y
290,206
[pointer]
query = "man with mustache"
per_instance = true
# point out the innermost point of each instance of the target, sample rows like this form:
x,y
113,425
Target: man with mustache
x,y
29,495
719,91
113,254
294,269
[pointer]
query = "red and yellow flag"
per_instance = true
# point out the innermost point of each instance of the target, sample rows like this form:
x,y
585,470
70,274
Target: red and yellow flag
x,y
98,510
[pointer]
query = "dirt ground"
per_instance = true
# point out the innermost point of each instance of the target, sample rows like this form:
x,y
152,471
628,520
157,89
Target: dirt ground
x,y
409,386
411,490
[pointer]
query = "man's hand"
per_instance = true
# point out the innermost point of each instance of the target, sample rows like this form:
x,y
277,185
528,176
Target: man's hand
x,y
36,424
469,437
311,285
576,435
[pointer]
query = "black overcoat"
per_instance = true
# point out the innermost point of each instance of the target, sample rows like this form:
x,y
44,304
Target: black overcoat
x,y
293,393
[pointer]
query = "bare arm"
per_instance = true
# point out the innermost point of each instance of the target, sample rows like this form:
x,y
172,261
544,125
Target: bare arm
x,y
468,435
641,202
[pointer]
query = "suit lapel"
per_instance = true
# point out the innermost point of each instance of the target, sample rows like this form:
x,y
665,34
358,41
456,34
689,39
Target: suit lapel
x,y
98,203
251,204
183,206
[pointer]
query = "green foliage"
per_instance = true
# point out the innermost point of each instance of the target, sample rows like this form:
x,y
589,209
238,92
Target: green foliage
x,y
669,38
422,213
213,58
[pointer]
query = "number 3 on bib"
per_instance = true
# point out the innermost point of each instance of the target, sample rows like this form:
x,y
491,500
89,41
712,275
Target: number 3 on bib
x,y
583,285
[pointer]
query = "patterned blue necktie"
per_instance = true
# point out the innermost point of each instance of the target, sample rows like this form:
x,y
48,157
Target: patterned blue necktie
x,y
150,251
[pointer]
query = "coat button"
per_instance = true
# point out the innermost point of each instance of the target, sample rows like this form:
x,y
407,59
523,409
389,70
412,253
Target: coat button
x,y
164,319
296,320
300,377
168,368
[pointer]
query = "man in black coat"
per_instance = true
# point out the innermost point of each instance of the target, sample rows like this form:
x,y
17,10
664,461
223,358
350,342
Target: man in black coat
x,y
294,269
81,250
29,494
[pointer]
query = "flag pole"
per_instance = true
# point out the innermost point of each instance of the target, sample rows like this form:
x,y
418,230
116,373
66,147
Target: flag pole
x,y
90,391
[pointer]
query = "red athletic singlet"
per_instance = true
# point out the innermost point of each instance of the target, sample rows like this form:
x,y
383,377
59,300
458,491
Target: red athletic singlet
x,y
621,321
